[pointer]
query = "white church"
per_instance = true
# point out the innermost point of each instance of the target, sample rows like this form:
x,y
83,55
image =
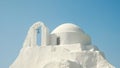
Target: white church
x,y
67,46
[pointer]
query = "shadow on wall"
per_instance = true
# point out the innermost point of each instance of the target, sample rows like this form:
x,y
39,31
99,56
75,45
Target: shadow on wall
x,y
63,64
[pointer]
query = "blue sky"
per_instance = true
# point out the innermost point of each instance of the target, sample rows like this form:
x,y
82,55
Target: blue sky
x,y
98,18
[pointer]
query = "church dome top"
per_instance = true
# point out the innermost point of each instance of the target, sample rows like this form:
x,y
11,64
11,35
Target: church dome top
x,y
67,27
70,33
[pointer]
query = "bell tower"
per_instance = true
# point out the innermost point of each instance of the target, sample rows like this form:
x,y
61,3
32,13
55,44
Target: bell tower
x,y
31,38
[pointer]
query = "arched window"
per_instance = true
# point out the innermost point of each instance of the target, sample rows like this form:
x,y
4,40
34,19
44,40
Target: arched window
x,y
58,40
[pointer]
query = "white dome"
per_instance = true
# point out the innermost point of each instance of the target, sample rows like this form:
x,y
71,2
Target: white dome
x,y
69,34
67,27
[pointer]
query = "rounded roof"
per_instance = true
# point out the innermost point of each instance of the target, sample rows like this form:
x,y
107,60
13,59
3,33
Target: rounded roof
x,y
67,27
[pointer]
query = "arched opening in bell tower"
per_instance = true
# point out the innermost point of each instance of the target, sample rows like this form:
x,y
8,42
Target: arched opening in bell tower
x,y
38,30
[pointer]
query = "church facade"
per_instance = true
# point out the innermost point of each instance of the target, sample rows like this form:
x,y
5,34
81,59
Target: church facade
x,y
67,46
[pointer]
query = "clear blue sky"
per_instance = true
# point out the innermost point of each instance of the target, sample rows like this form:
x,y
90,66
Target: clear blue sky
x,y
98,18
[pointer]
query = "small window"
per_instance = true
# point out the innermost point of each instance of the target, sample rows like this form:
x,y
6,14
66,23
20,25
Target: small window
x,y
58,40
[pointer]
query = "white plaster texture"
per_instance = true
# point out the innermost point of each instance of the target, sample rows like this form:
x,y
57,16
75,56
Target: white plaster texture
x,y
66,47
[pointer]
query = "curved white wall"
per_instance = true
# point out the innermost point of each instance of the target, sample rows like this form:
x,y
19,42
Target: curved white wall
x,y
70,38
